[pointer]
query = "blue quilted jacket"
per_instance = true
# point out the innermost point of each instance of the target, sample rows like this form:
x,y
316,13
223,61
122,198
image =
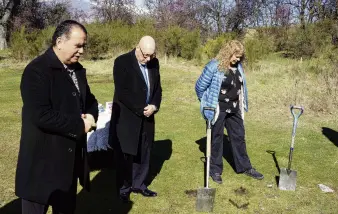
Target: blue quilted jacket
x,y
208,87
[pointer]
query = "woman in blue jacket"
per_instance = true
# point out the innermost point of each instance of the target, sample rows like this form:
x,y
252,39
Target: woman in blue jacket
x,y
222,85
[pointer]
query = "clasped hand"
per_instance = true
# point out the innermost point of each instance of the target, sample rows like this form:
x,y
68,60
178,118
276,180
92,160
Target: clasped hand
x,y
149,110
89,122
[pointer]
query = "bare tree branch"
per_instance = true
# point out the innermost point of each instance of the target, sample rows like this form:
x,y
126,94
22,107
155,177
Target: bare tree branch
x,y
110,10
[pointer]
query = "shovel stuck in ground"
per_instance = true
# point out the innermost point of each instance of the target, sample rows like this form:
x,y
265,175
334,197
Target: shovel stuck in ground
x,y
288,177
206,196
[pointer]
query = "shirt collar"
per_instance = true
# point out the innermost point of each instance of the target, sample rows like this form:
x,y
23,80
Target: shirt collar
x,y
68,69
142,65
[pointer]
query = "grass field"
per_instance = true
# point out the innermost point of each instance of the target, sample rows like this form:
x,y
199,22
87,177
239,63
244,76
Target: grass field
x,y
180,139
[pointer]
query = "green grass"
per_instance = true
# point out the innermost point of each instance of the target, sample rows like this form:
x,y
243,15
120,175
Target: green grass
x,y
179,125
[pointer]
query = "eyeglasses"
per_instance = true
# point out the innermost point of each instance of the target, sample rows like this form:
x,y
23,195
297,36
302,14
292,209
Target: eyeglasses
x,y
151,56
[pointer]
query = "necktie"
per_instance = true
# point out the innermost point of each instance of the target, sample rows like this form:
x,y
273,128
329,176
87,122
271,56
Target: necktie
x,y
73,76
144,72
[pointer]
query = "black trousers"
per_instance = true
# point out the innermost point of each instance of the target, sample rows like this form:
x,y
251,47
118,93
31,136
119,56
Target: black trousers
x,y
234,125
132,171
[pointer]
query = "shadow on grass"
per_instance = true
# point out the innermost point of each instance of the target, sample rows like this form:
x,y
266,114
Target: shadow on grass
x,y
331,134
103,195
273,153
14,207
160,152
102,199
227,149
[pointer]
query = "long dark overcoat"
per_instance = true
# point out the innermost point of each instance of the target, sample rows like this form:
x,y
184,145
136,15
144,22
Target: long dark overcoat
x,y
52,128
130,99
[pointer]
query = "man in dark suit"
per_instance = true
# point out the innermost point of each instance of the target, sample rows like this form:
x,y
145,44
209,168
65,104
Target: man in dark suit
x,y
58,110
137,98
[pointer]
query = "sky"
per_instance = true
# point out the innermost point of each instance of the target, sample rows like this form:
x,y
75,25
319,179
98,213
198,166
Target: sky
x,y
139,2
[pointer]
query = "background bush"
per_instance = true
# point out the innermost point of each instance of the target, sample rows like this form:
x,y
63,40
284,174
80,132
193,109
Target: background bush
x,y
29,44
212,46
112,38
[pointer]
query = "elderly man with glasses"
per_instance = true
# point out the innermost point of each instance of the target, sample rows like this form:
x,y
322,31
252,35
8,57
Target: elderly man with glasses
x,y
137,98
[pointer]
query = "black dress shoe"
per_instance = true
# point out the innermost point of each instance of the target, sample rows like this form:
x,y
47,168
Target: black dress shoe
x,y
125,197
146,192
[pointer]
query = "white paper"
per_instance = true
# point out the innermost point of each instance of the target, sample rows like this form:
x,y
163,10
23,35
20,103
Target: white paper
x,y
325,188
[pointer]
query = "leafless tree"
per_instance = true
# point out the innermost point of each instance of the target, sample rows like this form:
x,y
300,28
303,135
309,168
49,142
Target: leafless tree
x,y
35,14
54,12
309,11
80,15
216,12
6,11
283,15
110,10
184,13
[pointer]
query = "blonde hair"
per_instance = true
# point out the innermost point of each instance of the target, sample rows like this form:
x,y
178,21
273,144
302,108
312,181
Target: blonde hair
x,y
226,52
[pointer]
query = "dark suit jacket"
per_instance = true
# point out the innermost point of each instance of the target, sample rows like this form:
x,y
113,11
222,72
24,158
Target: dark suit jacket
x,y
130,100
52,128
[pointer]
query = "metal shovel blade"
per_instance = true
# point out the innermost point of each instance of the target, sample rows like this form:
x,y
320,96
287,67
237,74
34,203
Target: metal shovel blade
x,y
205,199
287,179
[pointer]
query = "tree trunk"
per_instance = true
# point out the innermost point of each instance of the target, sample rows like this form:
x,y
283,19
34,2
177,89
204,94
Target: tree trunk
x,y
218,16
336,15
302,14
3,42
218,22
4,20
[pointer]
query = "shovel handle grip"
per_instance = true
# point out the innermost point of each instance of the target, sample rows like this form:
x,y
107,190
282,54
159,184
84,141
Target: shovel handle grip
x,y
300,108
208,109
295,120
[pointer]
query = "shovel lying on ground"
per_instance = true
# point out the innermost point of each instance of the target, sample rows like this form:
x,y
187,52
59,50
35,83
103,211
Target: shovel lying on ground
x,y
206,196
287,178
